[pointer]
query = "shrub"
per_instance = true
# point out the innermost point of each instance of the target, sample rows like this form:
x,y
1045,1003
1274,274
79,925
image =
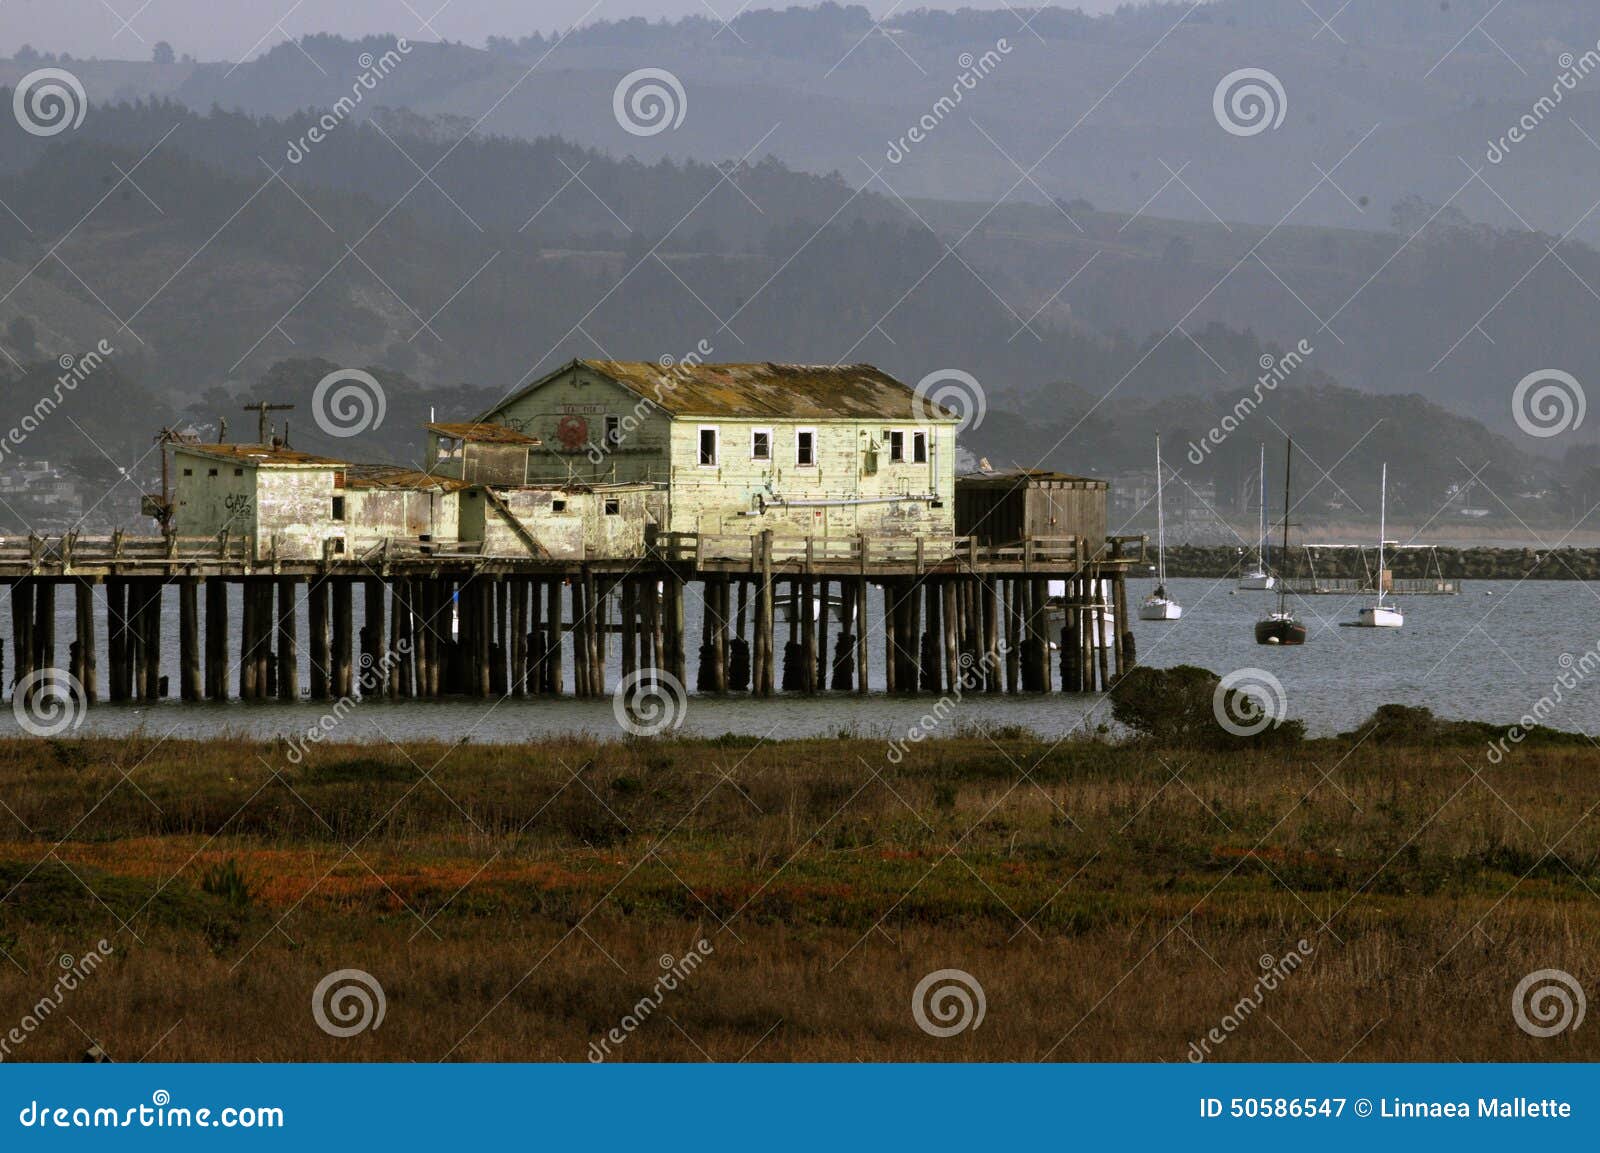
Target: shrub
x,y
227,881
1176,707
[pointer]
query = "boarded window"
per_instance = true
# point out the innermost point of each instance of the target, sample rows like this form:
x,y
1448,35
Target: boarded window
x,y
708,447
338,508
761,444
919,448
338,478
805,447
897,447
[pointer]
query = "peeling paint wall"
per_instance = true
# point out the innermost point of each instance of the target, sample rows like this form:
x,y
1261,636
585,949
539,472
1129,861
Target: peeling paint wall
x,y
579,402
570,525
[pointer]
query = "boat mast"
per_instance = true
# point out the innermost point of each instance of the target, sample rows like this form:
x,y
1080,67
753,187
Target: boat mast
x,y
1261,512
1288,462
1383,511
1161,526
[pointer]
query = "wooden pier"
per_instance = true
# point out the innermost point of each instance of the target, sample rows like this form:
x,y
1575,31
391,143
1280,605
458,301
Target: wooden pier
x,y
957,616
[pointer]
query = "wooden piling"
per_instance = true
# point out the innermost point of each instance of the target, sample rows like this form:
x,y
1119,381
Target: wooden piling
x,y
88,673
863,637
216,667
44,625
555,674
188,638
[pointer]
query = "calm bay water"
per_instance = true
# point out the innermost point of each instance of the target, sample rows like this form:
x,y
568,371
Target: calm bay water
x,y
1487,654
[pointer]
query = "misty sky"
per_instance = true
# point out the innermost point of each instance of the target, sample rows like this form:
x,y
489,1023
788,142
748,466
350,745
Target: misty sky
x,y
232,29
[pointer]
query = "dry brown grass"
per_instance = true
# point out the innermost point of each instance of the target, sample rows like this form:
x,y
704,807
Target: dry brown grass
x,y
513,900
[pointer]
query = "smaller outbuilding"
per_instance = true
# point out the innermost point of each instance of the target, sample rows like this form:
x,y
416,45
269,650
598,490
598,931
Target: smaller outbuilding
x,y
1007,506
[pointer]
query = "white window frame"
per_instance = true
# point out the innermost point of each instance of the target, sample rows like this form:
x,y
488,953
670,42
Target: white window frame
x,y
919,437
798,433
897,446
764,459
716,445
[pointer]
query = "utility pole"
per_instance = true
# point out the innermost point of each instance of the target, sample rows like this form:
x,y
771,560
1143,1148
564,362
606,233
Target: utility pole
x,y
261,408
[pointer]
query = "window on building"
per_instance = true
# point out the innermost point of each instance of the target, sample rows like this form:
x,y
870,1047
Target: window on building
x,y
338,478
211,472
558,506
188,472
805,447
613,431
338,545
919,448
613,507
338,508
708,447
761,444
238,472
897,447
449,448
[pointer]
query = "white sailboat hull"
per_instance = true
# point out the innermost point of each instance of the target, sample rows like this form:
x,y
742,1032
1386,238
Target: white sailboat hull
x,y
1380,617
1258,582
1160,609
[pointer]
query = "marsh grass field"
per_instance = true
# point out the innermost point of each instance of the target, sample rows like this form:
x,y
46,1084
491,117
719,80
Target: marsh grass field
x,y
1115,901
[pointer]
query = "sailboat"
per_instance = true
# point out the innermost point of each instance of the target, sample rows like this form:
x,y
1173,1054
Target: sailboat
x,y
1380,615
1158,606
1258,579
1282,627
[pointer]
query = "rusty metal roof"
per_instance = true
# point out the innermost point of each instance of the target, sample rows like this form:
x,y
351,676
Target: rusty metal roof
x,y
484,433
385,476
260,454
765,390
1022,477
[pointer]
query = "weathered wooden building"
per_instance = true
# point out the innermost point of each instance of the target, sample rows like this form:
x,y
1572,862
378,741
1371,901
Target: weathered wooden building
x,y
816,449
481,453
261,491
1007,506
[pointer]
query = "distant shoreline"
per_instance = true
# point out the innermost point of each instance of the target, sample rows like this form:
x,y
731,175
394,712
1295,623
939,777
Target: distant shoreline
x,y
1448,563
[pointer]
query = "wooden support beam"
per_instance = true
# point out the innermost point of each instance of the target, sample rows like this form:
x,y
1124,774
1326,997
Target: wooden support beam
x,y
44,625
554,673
288,642
22,630
216,670
808,634
863,637
88,666
317,598
343,635
188,639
